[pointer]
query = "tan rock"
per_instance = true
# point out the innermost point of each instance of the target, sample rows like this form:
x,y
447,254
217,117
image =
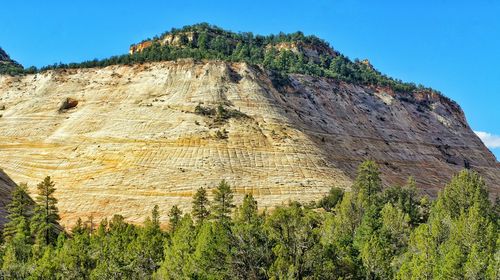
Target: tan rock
x,y
134,141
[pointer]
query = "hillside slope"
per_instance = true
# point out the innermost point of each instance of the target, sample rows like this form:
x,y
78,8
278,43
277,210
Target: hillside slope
x,y
136,137
7,65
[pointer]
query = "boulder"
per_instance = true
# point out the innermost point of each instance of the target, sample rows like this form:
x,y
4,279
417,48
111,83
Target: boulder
x,y
67,104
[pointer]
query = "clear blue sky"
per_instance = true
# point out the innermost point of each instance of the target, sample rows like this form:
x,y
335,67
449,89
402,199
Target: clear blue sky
x,y
452,46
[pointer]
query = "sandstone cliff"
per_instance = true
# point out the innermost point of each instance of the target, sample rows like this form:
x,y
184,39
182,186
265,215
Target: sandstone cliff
x,y
134,138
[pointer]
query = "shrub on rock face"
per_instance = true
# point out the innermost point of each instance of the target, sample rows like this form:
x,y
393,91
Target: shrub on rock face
x,y
220,113
204,111
221,134
67,104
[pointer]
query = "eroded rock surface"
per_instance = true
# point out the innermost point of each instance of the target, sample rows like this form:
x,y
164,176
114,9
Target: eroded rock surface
x,y
135,140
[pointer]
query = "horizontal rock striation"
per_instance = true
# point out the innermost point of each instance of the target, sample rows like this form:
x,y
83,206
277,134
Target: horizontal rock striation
x,y
136,137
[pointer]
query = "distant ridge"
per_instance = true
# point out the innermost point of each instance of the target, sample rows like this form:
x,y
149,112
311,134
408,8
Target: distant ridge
x,y
293,53
7,65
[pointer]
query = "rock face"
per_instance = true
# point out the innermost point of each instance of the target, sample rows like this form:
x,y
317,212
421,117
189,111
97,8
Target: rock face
x,y
5,60
169,39
152,134
4,57
310,51
6,186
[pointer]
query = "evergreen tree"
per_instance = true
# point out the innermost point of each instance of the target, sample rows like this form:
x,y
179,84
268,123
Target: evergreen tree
x,y
408,200
112,251
147,248
79,227
382,239
294,232
331,200
421,257
174,216
19,211
464,190
45,266
366,242
211,258
223,202
45,222
459,239
368,183
177,263
203,41
155,217
73,258
337,237
200,205
251,253
364,234
247,212
17,254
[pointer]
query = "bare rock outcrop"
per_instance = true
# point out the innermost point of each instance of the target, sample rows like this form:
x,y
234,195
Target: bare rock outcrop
x,y
67,104
7,64
136,139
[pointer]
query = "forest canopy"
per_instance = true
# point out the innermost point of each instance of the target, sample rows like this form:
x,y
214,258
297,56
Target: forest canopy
x,y
371,232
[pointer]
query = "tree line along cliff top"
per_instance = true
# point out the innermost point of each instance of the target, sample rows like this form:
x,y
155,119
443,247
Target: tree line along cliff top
x,y
293,53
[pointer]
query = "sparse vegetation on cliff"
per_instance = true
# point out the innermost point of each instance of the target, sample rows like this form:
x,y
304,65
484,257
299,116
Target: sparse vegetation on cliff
x,y
369,233
219,114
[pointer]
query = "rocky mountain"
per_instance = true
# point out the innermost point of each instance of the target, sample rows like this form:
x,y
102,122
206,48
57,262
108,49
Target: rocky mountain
x,y
4,57
122,138
7,65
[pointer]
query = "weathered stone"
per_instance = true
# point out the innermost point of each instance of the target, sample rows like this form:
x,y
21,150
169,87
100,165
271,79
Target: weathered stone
x,y
68,103
135,140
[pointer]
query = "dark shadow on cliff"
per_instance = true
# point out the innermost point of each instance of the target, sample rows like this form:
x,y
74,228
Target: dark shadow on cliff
x,y
6,187
426,137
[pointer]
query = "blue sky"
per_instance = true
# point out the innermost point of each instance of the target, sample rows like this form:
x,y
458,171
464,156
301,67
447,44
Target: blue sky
x,y
452,46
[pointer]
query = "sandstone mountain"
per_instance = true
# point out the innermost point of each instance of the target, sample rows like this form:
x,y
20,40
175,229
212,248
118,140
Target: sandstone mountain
x,y
122,138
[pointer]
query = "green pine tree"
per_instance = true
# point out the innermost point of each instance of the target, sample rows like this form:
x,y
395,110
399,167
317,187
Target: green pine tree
x,y
177,263
331,200
45,222
174,216
200,205
368,183
211,258
420,259
223,202
147,248
251,253
17,254
19,210
294,233
337,236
